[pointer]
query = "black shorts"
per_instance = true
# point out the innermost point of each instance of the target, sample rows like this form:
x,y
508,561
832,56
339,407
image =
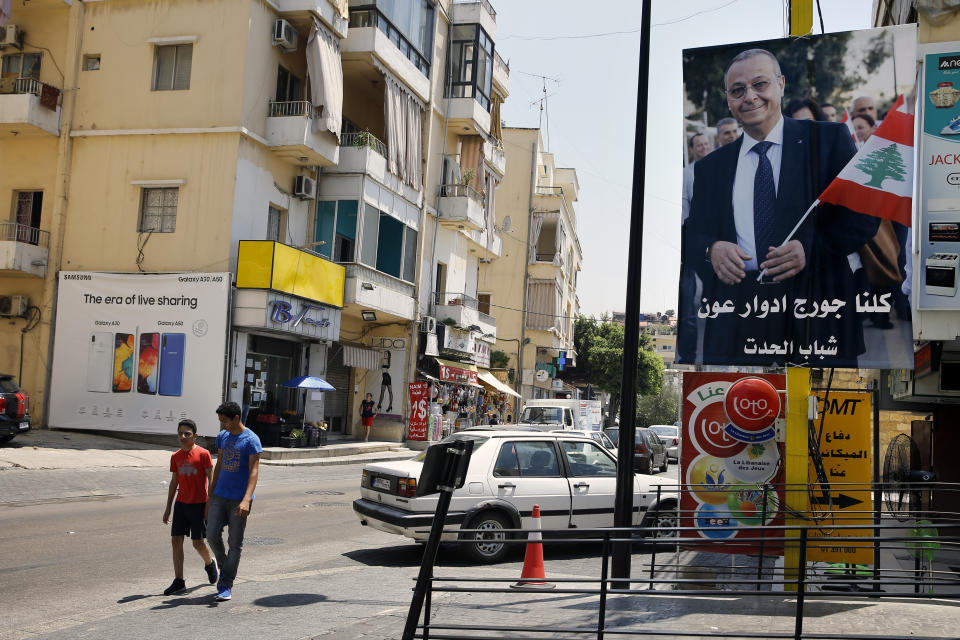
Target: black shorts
x,y
188,519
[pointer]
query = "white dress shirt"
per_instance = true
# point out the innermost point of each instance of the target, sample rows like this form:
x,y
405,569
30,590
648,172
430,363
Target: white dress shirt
x,y
687,191
747,164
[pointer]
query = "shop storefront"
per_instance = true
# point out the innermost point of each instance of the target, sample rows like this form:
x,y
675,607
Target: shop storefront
x,y
498,403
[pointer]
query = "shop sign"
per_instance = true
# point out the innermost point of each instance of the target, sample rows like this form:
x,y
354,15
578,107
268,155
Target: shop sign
x,y
457,375
556,384
418,419
923,361
288,314
458,340
386,342
481,354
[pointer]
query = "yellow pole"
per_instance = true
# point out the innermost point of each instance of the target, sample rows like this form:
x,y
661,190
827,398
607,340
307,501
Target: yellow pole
x,y
795,462
801,17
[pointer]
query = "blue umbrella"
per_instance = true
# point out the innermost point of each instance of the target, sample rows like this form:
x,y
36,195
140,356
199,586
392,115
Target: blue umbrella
x,y
309,382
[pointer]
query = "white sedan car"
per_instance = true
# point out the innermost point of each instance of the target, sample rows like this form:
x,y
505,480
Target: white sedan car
x,y
571,477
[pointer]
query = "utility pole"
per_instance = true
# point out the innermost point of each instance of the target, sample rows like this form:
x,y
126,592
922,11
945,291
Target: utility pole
x,y
623,506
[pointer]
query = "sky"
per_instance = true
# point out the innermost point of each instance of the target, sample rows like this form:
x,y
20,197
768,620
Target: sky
x,y
587,57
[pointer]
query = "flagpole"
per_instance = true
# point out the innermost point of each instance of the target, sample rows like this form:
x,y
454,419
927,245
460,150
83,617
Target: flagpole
x,y
790,235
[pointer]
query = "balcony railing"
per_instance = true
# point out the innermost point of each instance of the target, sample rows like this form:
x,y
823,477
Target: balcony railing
x,y
367,273
300,108
447,299
459,190
485,3
363,139
361,17
499,65
16,232
549,191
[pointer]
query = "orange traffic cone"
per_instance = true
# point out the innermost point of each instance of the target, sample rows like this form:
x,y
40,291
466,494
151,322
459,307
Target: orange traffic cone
x,y
533,575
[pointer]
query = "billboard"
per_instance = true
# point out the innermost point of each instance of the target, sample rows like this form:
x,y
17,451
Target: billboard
x,y
138,353
797,201
940,166
725,463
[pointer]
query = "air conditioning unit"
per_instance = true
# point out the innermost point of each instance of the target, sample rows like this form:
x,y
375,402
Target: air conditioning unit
x,y
10,36
305,188
13,306
284,36
428,324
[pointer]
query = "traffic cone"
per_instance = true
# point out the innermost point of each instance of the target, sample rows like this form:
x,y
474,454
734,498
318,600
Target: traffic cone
x,y
533,575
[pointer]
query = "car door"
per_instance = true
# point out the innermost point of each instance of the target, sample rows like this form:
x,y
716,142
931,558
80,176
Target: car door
x,y
527,472
592,474
659,450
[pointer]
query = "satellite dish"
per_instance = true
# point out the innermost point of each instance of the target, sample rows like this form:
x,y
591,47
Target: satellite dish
x,y
506,223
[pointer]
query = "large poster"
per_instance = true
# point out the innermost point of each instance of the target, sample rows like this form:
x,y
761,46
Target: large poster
x,y
138,352
940,162
797,201
725,463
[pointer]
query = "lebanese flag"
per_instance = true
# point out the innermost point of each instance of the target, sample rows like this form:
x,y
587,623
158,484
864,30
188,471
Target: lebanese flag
x,y
878,180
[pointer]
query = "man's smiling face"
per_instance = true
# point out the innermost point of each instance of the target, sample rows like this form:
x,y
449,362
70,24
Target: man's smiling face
x,y
754,92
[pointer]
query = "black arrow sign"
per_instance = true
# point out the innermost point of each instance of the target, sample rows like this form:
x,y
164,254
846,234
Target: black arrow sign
x,y
842,500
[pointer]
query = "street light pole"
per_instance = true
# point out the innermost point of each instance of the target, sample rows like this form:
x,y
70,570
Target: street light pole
x,y
623,507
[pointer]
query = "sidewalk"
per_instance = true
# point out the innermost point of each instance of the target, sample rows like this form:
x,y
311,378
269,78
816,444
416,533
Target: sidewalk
x,y
58,449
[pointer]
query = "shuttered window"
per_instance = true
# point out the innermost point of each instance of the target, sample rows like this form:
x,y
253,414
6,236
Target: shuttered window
x,y
172,67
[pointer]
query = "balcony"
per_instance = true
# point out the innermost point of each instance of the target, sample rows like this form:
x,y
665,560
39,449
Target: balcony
x,y
468,117
367,288
501,75
462,311
28,107
461,206
23,250
371,34
475,12
306,10
363,153
488,241
496,157
291,136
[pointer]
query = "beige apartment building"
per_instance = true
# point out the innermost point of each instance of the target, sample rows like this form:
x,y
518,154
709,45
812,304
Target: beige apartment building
x,y
338,159
533,286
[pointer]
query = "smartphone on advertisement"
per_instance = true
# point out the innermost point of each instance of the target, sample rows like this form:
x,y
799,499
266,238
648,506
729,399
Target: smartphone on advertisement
x,y
123,362
171,363
99,361
148,363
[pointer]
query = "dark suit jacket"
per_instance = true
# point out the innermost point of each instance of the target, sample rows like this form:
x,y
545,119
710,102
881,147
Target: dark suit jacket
x,y
813,154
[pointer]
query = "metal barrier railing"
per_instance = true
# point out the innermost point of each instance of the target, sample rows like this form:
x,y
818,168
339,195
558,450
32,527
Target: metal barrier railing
x,y
459,190
752,572
16,232
363,139
302,108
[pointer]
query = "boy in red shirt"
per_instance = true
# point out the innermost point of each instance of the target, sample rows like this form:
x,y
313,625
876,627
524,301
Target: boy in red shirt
x,y
192,471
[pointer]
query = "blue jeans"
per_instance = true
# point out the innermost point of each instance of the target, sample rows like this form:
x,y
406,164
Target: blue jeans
x,y
223,512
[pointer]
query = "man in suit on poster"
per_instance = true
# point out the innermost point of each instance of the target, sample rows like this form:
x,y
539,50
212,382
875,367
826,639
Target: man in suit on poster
x,y
748,196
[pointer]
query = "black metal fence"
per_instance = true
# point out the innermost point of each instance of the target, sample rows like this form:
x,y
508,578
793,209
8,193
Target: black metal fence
x,y
914,551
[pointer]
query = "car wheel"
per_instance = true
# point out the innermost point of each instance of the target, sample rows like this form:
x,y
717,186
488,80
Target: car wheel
x,y
663,467
6,438
489,543
663,521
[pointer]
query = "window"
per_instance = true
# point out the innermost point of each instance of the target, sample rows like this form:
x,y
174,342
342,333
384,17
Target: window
x,y
288,86
471,72
588,459
527,459
91,62
27,215
396,248
276,224
337,228
483,303
172,67
158,209
407,23
21,65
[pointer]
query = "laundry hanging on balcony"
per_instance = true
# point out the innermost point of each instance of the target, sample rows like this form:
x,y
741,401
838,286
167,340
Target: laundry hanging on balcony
x,y
326,79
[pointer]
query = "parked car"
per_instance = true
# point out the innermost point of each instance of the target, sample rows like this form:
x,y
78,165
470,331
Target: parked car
x,y
614,434
670,436
570,476
597,436
649,454
14,415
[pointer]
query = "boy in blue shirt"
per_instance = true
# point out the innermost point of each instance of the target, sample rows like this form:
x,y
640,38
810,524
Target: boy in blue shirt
x,y
234,479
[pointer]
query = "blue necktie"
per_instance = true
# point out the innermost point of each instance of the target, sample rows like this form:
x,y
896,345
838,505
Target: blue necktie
x,y
764,198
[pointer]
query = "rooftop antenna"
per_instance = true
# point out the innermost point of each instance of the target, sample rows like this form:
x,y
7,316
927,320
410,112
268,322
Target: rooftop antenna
x,y
544,104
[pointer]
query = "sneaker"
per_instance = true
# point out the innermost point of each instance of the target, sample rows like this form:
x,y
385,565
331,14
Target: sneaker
x,y
223,593
953,128
212,573
177,586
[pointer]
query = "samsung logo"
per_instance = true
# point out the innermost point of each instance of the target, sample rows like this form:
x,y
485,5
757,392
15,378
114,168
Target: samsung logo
x,y
948,62
76,276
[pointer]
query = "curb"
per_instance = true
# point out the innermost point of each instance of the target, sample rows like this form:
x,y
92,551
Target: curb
x,y
338,460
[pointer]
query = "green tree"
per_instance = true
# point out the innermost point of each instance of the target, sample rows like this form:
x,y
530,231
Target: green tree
x,y
882,164
499,359
599,345
659,408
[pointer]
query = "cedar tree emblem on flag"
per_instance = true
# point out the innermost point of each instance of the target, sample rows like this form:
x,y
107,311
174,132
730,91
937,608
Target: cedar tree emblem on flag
x,y
878,181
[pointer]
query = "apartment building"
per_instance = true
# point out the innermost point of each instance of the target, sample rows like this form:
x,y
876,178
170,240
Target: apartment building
x,y
338,160
533,286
